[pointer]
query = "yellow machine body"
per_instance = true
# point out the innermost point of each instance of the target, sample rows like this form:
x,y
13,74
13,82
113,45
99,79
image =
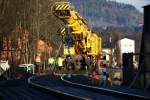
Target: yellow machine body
x,y
84,40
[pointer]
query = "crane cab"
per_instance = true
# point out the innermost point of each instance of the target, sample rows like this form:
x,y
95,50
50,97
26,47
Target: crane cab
x,y
62,9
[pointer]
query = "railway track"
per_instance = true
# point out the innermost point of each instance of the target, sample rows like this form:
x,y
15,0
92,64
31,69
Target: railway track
x,y
81,81
55,88
55,83
20,90
43,88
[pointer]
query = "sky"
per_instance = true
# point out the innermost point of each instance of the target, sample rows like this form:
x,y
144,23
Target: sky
x,y
137,3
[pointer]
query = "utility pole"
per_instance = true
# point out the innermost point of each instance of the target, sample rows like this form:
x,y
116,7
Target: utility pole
x,y
111,55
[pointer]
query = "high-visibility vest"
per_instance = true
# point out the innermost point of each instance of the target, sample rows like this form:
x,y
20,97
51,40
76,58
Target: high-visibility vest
x,y
51,60
60,61
95,76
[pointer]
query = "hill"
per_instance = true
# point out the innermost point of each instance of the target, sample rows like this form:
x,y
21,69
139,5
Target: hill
x,y
105,13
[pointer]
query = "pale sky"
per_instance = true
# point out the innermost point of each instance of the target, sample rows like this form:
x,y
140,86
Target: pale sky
x,y
137,3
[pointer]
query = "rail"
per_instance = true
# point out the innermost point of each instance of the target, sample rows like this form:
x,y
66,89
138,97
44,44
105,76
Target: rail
x,y
106,91
62,95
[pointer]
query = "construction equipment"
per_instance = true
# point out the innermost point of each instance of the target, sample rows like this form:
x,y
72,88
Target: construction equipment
x,y
78,37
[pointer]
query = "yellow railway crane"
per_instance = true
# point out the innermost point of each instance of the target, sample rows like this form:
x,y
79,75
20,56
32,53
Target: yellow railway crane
x,y
78,37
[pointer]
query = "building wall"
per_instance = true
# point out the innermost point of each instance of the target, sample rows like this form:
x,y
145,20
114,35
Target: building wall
x,y
145,48
127,46
107,51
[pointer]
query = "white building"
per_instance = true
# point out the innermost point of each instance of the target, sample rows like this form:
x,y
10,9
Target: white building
x,y
127,46
107,52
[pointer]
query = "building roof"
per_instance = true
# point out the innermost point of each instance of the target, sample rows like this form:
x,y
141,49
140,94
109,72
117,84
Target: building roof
x,y
146,6
126,39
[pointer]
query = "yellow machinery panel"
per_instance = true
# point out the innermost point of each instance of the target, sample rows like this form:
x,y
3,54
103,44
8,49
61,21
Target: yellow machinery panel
x,y
93,44
69,51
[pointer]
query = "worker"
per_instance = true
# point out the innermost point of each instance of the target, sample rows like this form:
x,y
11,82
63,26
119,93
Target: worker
x,y
65,64
105,76
95,78
60,63
70,65
82,63
38,62
50,62
89,63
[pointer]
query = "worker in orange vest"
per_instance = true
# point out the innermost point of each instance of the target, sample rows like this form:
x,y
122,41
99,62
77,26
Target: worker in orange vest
x,y
38,62
95,78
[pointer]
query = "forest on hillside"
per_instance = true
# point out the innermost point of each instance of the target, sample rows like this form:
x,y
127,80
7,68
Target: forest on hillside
x,y
105,13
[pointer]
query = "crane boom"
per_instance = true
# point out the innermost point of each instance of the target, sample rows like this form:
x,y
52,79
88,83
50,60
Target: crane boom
x,y
78,37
